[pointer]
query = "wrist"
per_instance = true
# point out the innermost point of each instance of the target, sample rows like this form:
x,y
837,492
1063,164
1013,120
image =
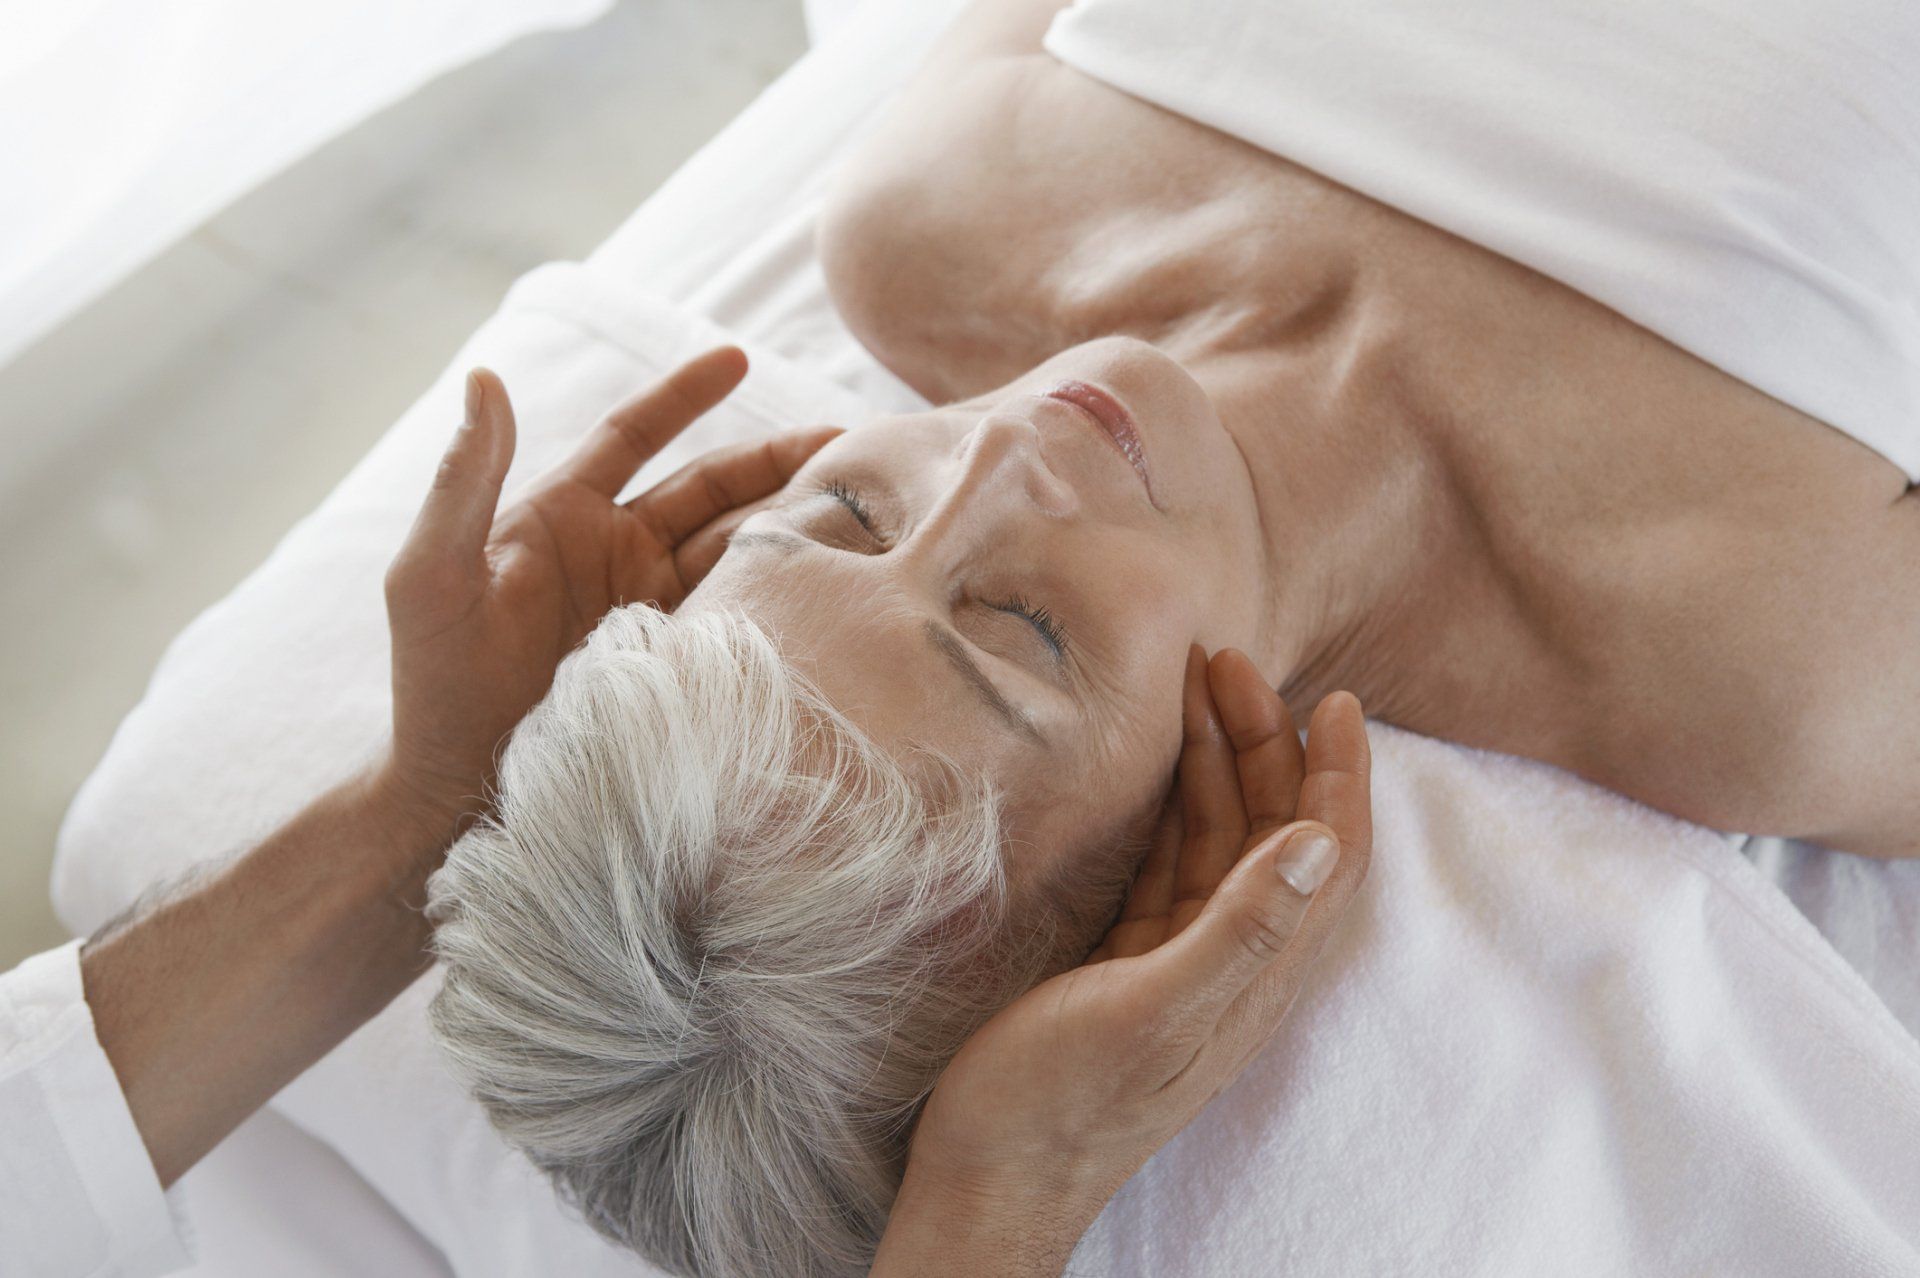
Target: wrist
x,y
394,835
948,1222
418,817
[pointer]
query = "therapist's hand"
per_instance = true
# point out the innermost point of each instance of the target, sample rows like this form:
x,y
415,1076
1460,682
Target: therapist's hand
x,y
1060,1098
482,609
211,997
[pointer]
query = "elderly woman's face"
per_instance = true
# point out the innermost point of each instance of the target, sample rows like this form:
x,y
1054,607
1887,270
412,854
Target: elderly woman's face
x,y
1014,584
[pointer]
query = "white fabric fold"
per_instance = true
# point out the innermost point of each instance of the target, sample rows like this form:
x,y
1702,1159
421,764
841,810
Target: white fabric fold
x,y
78,1194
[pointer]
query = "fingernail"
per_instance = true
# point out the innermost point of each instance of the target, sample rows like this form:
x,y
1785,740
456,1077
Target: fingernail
x,y
475,395
1307,860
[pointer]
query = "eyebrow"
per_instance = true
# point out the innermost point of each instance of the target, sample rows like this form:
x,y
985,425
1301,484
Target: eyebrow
x,y
785,542
954,649
949,644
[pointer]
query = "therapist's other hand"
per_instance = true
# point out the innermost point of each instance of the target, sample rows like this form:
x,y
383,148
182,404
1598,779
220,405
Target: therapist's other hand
x,y
1054,1103
483,609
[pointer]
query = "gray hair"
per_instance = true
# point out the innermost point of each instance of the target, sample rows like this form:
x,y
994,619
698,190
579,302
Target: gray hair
x,y
714,947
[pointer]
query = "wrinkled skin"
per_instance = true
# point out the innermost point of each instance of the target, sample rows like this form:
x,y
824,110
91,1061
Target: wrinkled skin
x,y
980,515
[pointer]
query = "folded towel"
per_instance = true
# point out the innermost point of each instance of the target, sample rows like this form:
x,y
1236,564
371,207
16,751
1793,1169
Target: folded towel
x,y
1558,1033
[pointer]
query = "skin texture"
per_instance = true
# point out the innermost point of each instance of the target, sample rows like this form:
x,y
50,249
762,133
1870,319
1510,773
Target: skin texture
x,y
1007,502
1496,510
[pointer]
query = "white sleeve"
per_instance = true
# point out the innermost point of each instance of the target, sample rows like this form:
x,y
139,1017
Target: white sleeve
x,y
78,1194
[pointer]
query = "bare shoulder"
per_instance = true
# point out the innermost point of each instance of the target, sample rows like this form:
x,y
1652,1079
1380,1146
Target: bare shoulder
x,y
1839,673
1724,591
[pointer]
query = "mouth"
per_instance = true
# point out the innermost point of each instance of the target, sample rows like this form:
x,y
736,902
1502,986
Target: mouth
x,y
1114,421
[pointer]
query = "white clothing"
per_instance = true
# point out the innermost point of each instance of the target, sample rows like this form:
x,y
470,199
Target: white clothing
x,y
78,1194
1741,177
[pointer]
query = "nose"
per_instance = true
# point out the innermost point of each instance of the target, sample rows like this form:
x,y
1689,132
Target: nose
x,y
999,478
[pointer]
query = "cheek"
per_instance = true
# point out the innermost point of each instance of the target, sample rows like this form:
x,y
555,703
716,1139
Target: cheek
x,y
1136,740
1079,834
1158,607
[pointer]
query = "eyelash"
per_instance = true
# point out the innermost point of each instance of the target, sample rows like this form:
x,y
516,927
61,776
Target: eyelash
x,y
848,498
1041,620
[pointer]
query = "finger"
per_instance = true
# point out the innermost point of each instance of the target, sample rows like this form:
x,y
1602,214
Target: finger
x,y
1146,916
1248,923
695,557
1211,814
1266,748
711,486
449,535
625,438
1153,887
1338,787
1336,795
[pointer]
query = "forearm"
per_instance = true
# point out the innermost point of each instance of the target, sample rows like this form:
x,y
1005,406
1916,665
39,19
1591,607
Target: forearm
x,y
220,993
938,1230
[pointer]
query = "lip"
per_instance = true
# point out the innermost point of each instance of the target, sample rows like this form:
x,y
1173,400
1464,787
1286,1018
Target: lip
x,y
1114,421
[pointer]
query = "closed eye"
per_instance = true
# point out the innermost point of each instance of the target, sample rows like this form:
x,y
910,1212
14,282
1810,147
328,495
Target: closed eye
x,y
1043,622
851,500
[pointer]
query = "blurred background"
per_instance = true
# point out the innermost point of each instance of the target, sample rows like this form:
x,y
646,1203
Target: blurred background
x,y
236,241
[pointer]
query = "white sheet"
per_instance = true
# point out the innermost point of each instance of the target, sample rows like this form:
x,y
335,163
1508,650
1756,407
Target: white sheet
x,y
1542,986
273,1201
1742,177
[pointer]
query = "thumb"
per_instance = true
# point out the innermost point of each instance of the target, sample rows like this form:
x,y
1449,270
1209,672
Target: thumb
x,y
444,551
1251,921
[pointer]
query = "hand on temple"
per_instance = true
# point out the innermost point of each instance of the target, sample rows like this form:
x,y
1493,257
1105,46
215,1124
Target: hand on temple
x,y
1060,1098
482,610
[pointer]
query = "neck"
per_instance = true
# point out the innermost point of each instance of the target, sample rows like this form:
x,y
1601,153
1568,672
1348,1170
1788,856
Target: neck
x,y
1347,482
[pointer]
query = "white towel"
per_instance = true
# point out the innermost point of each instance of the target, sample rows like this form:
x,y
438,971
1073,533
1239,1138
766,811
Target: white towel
x,y
1741,177
1559,1033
